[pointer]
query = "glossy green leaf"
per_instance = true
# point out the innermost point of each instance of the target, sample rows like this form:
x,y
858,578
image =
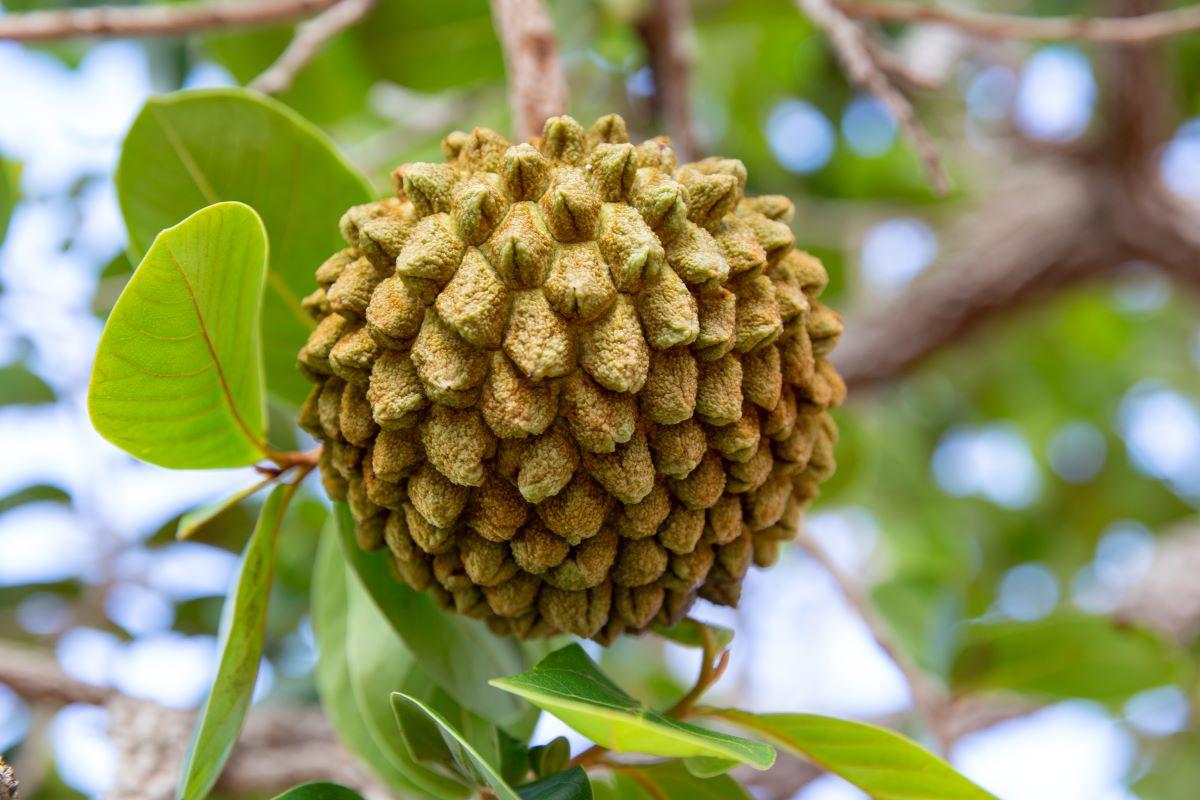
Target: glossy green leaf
x,y
20,386
178,376
570,686
242,631
1063,657
689,633
883,764
571,784
547,759
470,763
461,654
423,740
329,603
664,781
191,522
378,664
319,791
189,149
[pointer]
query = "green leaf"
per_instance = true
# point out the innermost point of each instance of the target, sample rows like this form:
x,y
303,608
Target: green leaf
x,y
461,654
547,759
432,46
197,518
242,631
668,779
689,633
8,195
319,791
570,686
40,493
178,377
473,766
1065,656
573,784
379,664
20,386
329,602
883,764
1175,772
189,149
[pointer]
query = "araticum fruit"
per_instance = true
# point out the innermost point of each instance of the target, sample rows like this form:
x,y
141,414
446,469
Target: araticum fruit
x,y
569,384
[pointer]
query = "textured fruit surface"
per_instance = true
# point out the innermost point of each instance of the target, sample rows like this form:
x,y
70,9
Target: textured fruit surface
x,y
571,385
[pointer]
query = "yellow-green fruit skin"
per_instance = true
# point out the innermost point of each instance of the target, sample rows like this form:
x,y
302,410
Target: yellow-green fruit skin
x,y
569,385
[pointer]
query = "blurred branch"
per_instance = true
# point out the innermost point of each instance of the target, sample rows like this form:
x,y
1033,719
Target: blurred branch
x,y
665,30
537,81
857,55
279,748
928,700
38,678
158,19
276,750
310,37
1118,30
1082,213
1029,239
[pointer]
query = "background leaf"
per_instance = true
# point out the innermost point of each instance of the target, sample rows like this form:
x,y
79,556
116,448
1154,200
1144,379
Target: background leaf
x,y
668,779
241,652
329,603
571,784
20,386
379,664
687,632
8,195
178,376
319,791
1065,656
189,149
461,654
192,521
883,764
471,764
570,686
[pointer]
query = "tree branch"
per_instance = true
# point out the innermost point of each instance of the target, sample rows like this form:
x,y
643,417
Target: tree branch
x,y
310,37
928,699
858,60
1030,239
537,82
665,30
278,748
1127,30
153,20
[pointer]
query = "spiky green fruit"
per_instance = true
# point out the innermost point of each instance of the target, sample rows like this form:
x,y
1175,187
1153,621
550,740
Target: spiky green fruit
x,y
569,384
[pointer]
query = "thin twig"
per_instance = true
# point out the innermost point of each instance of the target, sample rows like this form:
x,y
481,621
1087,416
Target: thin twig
x,y
310,37
855,53
1111,30
537,81
158,19
713,661
665,31
928,700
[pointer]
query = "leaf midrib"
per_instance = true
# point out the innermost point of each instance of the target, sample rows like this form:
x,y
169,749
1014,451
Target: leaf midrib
x,y
226,394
